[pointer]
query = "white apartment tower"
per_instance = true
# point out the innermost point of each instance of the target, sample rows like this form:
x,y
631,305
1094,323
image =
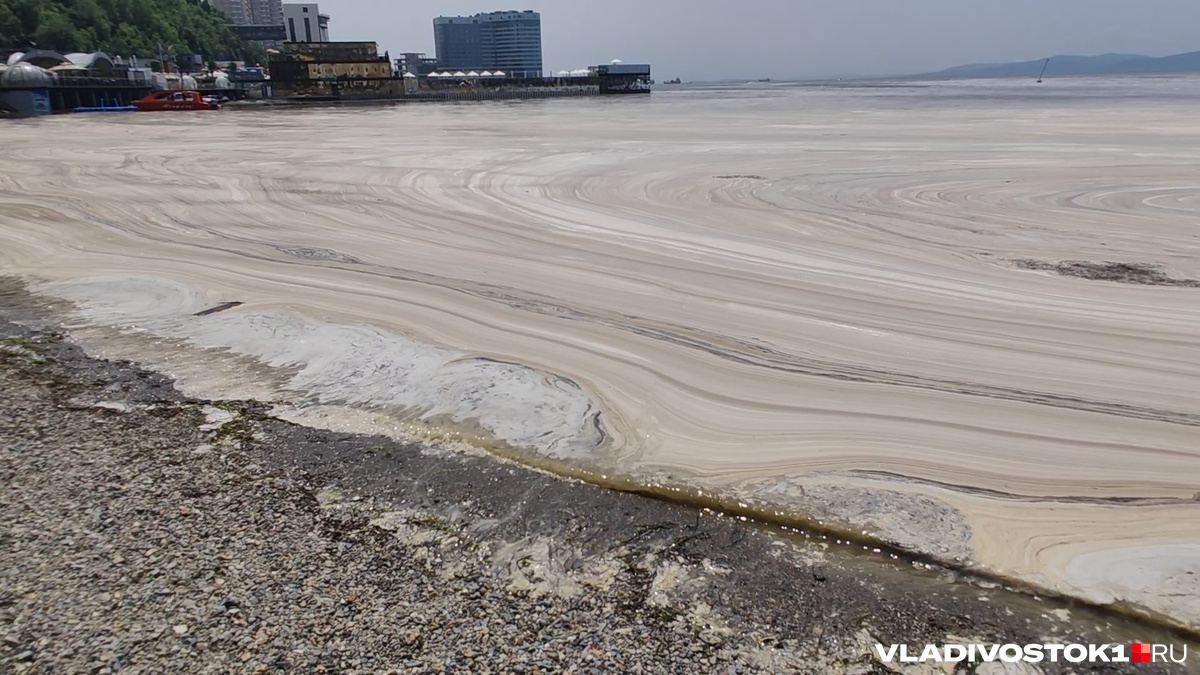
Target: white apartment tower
x,y
304,22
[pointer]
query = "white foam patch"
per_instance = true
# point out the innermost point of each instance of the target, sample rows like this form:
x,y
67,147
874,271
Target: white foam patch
x,y
1163,578
119,300
356,364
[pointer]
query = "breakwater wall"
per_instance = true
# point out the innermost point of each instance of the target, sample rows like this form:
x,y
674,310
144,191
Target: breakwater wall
x,y
86,93
64,97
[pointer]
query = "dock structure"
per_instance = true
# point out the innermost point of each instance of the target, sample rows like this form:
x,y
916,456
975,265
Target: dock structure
x,y
622,78
42,81
71,93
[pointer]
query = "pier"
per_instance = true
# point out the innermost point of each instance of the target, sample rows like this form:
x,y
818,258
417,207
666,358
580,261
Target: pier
x,y
354,71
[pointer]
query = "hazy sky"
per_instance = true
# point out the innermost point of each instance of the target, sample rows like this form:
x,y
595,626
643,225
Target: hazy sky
x,y
713,39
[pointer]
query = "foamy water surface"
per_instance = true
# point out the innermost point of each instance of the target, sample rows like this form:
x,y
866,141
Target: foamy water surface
x,y
816,299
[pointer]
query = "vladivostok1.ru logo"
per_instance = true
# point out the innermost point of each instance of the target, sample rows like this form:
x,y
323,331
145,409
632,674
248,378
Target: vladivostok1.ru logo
x,y
1035,653
1147,653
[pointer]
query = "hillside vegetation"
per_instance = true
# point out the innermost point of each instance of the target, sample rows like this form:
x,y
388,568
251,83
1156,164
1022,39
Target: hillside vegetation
x,y
122,27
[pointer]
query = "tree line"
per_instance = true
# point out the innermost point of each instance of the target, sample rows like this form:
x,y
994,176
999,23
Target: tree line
x,y
123,27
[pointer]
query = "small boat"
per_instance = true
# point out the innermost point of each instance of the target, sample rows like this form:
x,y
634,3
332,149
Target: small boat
x,y
176,100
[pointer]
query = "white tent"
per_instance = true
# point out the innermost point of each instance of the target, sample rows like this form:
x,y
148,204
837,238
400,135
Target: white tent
x,y
499,73
472,74
563,73
409,76
582,72
459,74
486,73
617,61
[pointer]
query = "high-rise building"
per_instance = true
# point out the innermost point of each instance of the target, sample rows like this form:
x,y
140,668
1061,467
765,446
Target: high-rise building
x,y
267,12
258,20
252,12
456,41
304,22
238,11
506,41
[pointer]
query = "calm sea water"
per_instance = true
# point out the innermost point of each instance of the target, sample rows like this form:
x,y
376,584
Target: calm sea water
x,y
1182,88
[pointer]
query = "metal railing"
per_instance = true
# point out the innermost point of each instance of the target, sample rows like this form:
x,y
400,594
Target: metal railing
x,y
97,82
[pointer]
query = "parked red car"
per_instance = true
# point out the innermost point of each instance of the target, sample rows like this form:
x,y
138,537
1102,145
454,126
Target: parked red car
x,y
175,100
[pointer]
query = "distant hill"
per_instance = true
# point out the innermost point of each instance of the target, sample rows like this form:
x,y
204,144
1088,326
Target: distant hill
x,y
1178,63
1079,65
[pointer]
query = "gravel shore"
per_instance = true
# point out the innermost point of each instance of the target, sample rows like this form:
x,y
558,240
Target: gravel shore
x,y
150,533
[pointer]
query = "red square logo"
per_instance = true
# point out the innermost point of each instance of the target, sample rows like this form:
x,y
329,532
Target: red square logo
x,y
1141,653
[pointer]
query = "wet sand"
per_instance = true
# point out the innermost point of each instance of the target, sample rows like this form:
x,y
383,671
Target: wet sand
x,y
845,303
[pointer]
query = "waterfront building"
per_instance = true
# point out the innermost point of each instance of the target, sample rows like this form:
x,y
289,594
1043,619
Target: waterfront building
x,y
508,41
25,89
304,22
334,70
622,78
39,81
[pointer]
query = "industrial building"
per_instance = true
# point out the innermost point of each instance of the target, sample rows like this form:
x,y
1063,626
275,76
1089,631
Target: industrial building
x,y
416,63
507,41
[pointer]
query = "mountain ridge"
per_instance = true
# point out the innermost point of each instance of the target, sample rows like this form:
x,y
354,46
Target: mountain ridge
x,y
1071,64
